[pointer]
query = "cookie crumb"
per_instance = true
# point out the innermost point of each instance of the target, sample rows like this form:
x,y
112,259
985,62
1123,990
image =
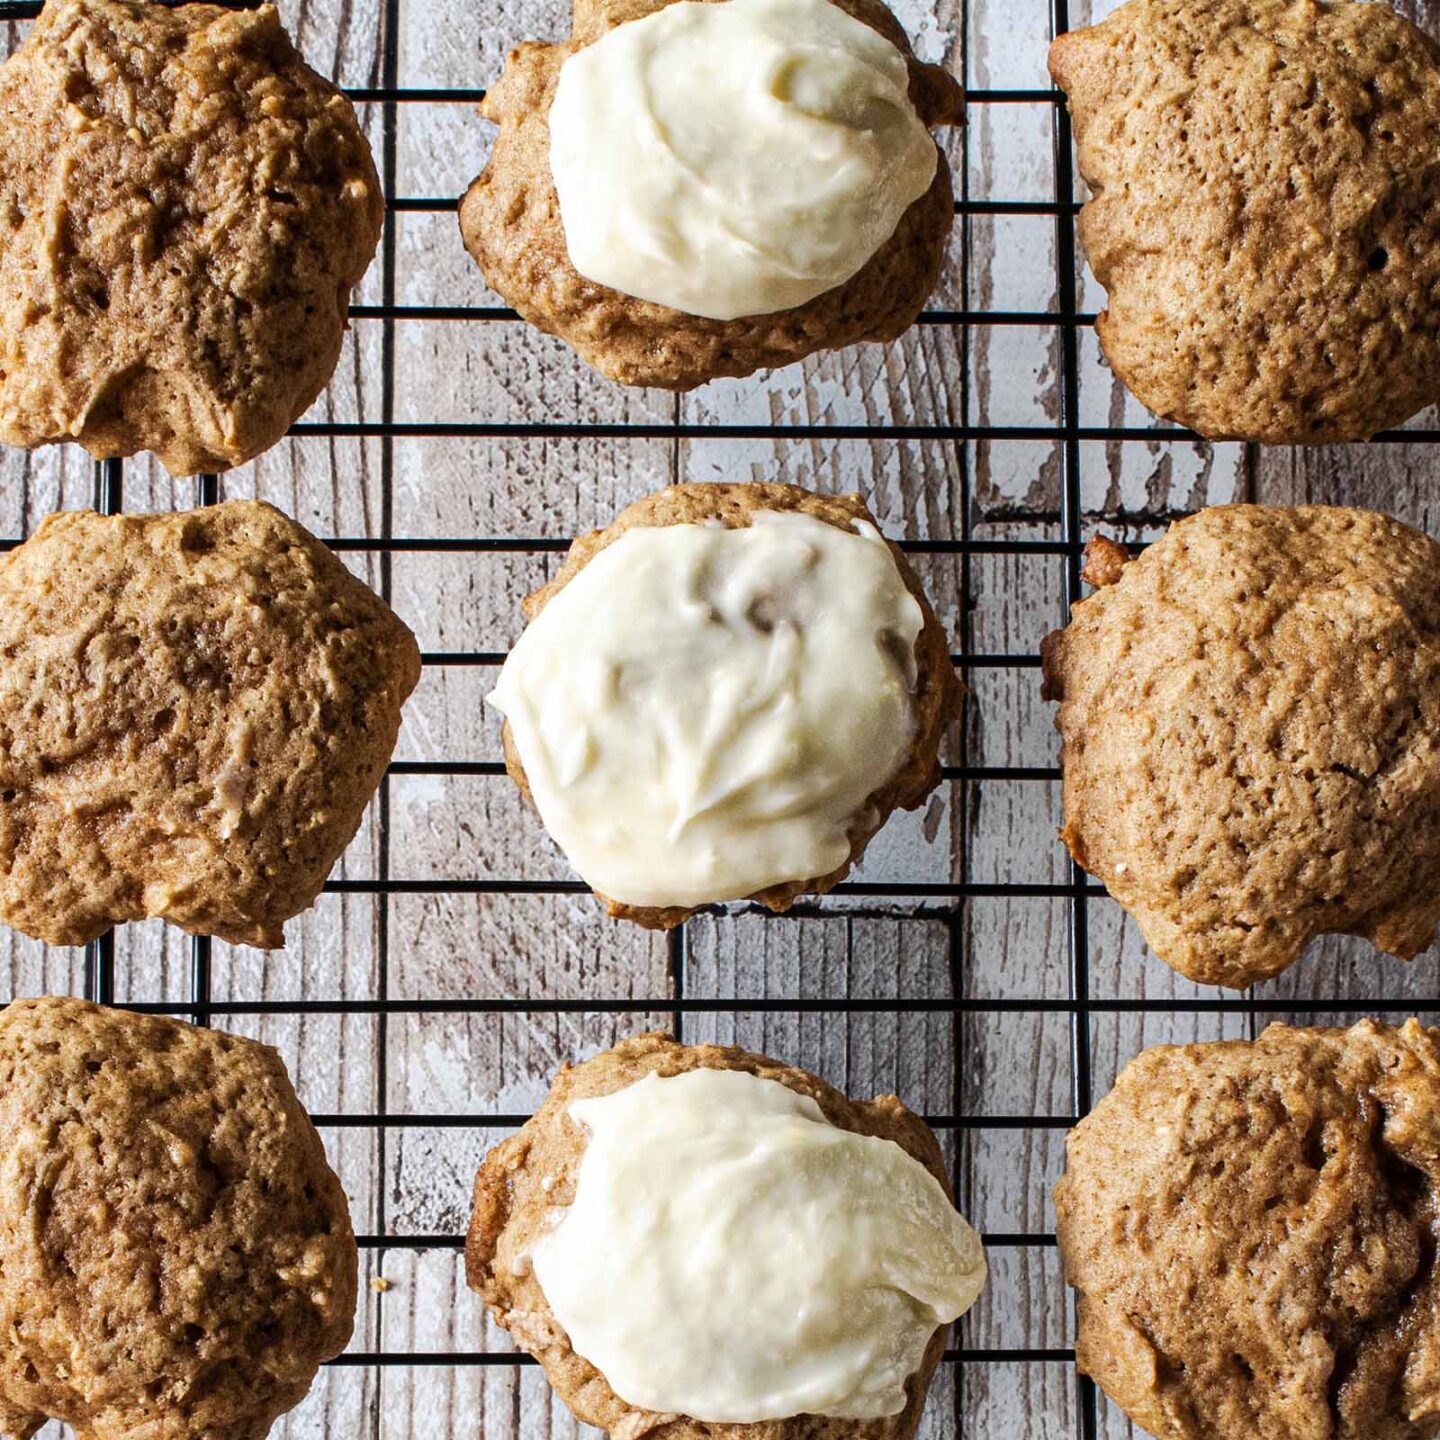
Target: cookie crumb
x,y
1104,560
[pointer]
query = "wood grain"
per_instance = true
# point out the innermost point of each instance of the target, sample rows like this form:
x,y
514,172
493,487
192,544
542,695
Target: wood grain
x,y
870,957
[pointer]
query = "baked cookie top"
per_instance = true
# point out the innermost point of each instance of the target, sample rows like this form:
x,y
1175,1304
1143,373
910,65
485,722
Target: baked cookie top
x,y
1252,1228
511,221
1264,218
194,712
176,1257
184,208
524,1179
704,720
1250,717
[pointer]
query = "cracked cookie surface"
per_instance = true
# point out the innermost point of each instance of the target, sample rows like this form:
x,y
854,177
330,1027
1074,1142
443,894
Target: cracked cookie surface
x,y
1252,1230
195,710
1265,213
1250,718
510,220
523,1179
176,1257
184,209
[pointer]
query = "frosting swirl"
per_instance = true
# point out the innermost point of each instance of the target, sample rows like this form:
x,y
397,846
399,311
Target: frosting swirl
x,y
732,1256
737,158
703,712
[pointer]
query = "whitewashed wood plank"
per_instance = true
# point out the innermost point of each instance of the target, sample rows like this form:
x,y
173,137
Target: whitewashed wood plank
x,y
463,946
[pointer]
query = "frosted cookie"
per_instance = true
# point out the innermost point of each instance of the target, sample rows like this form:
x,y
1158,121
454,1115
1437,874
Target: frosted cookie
x,y
195,710
723,695
687,190
184,208
176,1258
1265,217
1250,716
701,1241
1252,1229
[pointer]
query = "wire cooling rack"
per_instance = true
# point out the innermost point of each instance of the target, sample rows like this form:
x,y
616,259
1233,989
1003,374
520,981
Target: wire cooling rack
x,y
945,900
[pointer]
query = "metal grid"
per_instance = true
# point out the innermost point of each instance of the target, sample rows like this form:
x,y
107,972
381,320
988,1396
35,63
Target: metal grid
x,y
943,899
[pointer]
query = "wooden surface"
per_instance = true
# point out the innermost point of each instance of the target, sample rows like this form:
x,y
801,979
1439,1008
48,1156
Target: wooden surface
x,y
1000,1063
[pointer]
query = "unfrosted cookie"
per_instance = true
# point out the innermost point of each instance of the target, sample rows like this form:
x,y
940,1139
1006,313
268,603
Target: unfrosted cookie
x,y
1250,716
786,1188
195,710
184,208
176,1258
1264,212
1252,1228
512,225
712,722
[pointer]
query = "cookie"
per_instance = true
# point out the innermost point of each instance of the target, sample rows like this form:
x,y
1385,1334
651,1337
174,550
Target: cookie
x,y
1264,217
1252,1229
511,216
176,1258
685,724
195,710
1250,717
703,1221
184,208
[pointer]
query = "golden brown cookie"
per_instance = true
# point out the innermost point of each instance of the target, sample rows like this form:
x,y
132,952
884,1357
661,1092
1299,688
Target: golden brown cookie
x,y
1252,1228
176,1257
1250,716
1265,217
184,208
938,692
195,710
510,218
524,1178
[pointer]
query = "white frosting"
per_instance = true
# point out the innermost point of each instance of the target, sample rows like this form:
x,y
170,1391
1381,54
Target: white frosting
x,y
732,1256
735,159
703,712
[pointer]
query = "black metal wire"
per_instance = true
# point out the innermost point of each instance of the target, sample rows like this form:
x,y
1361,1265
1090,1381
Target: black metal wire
x,y
447,204
945,901
668,430
100,954
390,63
207,492
505,1120
354,1359
998,318
664,430
497,657
791,1005
1072,532
947,772
898,889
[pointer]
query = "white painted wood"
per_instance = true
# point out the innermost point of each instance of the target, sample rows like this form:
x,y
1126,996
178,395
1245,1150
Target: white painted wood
x,y
1010,1064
